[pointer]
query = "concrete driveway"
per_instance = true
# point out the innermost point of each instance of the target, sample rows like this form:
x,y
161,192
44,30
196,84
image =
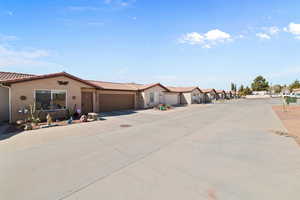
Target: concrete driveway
x,y
212,152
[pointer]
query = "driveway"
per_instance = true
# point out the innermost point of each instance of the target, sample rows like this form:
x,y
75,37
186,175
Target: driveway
x,y
222,151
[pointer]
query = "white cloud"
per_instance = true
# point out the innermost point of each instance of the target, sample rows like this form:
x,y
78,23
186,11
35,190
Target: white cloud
x,y
293,29
10,13
192,38
217,35
268,32
286,72
263,36
273,30
5,38
206,40
120,3
10,56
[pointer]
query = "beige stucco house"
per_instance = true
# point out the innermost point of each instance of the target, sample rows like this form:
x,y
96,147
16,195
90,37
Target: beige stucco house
x,y
228,94
172,98
151,95
125,96
52,93
221,94
210,95
187,95
58,92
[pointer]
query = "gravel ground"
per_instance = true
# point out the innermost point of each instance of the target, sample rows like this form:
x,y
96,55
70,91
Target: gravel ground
x,y
290,119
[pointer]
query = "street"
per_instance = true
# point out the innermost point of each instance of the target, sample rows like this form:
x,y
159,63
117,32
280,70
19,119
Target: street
x,y
225,151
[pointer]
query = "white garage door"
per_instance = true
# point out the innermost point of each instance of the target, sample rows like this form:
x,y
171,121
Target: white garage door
x,y
171,99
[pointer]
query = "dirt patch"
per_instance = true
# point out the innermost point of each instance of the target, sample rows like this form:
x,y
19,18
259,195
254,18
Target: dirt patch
x,y
290,119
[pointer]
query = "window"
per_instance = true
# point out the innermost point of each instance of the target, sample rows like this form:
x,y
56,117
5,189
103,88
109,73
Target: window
x,y
50,99
152,97
58,100
43,99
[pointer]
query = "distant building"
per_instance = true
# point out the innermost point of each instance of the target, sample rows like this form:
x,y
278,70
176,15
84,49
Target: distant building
x,y
260,93
285,91
296,91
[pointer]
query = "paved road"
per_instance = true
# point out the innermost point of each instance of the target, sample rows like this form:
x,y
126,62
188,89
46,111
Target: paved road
x,y
215,152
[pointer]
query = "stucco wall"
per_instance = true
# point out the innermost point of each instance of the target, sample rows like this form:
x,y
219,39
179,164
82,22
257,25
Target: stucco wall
x,y
97,100
4,104
144,97
187,97
172,98
27,89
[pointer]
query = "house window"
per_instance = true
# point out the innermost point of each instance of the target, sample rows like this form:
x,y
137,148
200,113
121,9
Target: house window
x,y
152,97
50,99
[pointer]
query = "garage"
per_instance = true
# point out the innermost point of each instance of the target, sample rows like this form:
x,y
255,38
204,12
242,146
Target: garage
x,y
4,104
114,102
172,98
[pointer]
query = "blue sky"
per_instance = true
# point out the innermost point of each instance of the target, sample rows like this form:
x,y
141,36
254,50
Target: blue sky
x,y
208,43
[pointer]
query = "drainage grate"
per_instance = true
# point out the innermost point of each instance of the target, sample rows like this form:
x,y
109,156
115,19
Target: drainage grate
x,y
125,125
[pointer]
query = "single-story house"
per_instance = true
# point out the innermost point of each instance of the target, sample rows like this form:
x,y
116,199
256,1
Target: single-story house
x,y
172,98
296,90
260,93
210,95
221,94
285,91
228,94
51,93
187,95
126,96
59,92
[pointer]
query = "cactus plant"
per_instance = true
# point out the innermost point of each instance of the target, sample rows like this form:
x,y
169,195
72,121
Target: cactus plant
x,y
33,114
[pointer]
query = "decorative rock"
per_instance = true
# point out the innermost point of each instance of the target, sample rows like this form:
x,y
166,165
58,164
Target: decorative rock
x,y
28,127
19,122
49,119
92,117
83,118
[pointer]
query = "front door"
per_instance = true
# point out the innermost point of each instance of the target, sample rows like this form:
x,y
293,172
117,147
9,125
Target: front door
x,y
86,102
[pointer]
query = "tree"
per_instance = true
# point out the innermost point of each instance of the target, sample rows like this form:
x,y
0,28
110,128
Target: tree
x,y
241,90
233,87
260,84
294,85
247,91
276,88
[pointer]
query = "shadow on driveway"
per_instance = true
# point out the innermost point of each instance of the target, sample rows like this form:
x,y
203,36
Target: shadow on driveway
x,y
7,131
117,113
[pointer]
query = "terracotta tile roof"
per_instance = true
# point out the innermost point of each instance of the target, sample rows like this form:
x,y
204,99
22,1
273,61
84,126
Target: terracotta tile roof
x,y
124,86
296,90
220,91
208,90
147,86
5,76
37,77
115,86
182,89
